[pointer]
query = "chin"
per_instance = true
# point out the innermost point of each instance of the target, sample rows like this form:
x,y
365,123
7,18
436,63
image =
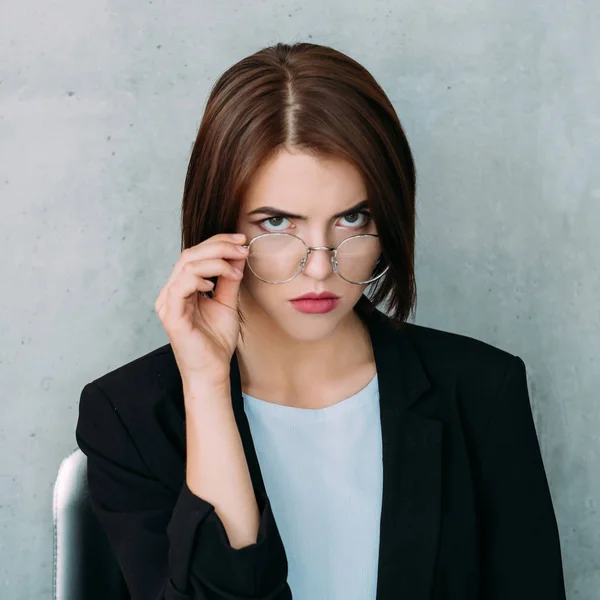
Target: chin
x,y
304,327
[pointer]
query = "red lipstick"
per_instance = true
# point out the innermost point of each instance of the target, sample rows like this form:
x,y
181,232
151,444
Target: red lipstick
x,y
315,303
316,296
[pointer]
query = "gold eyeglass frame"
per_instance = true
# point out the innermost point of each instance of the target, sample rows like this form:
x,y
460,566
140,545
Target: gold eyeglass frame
x,y
309,249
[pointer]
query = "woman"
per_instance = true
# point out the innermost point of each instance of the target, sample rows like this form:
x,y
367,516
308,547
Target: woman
x,y
314,449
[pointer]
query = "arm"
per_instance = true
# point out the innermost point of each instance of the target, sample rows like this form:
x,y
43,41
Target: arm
x,y
170,546
216,466
521,556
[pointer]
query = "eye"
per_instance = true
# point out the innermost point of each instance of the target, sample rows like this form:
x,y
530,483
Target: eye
x,y
353,225
275,218
363,213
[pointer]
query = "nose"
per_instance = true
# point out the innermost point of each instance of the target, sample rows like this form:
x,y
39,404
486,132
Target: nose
x,y
319,263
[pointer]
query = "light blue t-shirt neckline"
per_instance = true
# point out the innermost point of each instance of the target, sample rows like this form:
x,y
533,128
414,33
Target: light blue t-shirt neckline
x,y
359,399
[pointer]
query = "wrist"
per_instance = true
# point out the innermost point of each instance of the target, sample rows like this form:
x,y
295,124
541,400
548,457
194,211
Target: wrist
x,y
202,392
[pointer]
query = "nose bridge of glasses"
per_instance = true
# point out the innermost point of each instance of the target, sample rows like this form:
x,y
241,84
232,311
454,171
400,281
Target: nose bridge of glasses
x,y
311,248
325,240
329,255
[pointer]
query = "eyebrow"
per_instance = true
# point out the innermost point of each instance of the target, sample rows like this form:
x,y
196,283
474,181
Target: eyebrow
x,y
272,211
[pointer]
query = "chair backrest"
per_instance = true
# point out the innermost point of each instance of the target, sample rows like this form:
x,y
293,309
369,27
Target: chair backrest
x,y
84,565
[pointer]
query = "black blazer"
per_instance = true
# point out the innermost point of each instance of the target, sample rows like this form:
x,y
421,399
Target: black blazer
x,y
466,515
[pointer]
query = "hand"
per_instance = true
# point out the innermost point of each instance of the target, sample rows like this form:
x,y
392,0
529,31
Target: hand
x,y
203,331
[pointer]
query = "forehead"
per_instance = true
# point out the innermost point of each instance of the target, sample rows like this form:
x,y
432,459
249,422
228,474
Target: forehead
x,y
293,181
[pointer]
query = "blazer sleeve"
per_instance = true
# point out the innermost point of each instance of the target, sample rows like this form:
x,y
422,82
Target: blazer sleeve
x,y
521,555
169,545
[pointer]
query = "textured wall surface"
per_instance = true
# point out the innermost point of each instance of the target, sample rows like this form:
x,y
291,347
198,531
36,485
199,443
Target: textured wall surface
x,y
99,106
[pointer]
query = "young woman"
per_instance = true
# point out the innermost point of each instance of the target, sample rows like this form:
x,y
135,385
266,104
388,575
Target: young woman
x,y
314,449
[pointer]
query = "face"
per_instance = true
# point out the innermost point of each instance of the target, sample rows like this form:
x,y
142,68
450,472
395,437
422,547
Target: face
x,y
314,191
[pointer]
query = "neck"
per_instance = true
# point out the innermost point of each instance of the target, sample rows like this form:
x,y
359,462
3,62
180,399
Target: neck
x,y
271,363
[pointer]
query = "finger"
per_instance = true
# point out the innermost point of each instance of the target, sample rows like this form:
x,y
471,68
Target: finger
x,y
183,286
222,245
210,248
210,267
221,249
204,285
227,288
187,286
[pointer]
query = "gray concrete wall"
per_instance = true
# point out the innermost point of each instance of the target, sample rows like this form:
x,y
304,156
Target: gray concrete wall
x,y
99,105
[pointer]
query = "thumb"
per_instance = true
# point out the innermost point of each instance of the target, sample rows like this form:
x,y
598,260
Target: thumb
x,y
226,289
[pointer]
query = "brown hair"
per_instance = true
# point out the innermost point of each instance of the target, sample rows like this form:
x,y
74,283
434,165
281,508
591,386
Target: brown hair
x,y
317,100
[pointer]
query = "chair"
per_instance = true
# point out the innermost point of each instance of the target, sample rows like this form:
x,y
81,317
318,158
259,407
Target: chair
x,y
84,566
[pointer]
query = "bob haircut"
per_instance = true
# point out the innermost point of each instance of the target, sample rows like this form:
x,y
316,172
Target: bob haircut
x,y
314,99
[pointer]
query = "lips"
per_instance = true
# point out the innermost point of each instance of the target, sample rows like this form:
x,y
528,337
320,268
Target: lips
x,y
315,296
315,306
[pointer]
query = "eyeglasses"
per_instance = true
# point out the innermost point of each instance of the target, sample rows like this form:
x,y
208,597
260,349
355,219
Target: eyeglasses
x,y
280,257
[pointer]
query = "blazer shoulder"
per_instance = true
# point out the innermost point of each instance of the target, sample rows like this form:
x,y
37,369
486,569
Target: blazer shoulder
x,y
131,416
461,360
471,372
457,348
138,384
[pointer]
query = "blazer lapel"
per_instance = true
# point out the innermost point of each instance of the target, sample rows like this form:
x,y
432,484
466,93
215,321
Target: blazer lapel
x,y
412,454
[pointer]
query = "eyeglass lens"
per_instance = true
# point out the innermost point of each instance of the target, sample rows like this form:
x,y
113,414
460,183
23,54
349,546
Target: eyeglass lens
x,y
279,257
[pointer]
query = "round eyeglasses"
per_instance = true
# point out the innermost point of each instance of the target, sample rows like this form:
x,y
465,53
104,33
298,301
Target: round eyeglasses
x,y
280,257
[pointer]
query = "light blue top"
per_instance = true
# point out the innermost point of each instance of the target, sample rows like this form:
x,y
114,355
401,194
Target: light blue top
x,y
322,470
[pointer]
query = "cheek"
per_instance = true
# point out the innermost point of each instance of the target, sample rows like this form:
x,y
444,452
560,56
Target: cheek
x,y
264,294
